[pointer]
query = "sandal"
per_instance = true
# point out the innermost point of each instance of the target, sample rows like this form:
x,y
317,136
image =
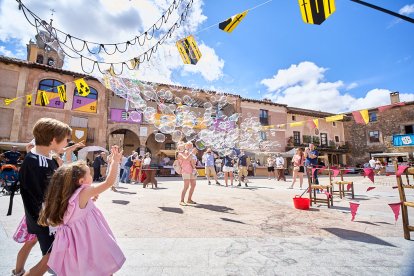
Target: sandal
x,y
182,203
191,202
113,189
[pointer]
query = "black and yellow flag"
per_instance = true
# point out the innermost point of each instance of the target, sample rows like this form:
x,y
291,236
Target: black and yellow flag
x,y
62,93
9,101
29,100
134,63
189,50
316,11
230,24
83,88
44,99
111,71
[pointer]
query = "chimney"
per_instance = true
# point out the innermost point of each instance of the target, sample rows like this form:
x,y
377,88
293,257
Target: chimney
x,y
395,97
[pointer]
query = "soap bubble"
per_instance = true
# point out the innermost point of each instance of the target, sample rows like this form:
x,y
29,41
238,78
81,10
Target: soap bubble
x,y
159,137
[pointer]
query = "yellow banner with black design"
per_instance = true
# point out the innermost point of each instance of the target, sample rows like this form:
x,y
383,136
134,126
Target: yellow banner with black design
x,y
231,23
43,98
334,118
83,88
62,93
188,49
29,100
9,101
316,11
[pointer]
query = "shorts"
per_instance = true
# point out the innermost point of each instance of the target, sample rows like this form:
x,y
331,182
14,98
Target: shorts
x,y
210,171
270,169
228,169
243,171
45,240
188,176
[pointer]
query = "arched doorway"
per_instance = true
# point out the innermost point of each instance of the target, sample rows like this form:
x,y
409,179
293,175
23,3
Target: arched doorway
x,y
126,139
160,150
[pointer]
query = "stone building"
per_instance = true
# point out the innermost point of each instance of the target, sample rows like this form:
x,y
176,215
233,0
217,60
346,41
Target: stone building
x,y
378,135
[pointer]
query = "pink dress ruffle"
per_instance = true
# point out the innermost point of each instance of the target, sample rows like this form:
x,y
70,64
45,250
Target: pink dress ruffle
x,y
84,244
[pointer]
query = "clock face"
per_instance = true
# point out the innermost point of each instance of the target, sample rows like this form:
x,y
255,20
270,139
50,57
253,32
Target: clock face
x,y
51,62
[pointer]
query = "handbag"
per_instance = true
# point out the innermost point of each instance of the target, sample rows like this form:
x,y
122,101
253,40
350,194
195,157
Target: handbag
x,y
301,169
177,166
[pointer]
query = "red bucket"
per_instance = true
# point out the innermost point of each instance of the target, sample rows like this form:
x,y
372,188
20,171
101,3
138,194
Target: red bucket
x,y
301,203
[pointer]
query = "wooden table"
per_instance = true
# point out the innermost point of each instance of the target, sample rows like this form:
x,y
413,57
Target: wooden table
x,y
150,173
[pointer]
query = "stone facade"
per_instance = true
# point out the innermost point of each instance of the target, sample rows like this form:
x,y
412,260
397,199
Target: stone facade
x,y
387,123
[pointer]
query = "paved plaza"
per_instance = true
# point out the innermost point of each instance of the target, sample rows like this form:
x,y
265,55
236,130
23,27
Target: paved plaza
x,y
244,231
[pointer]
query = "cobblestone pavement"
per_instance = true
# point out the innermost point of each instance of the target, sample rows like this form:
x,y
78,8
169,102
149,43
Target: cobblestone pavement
x,y
251,230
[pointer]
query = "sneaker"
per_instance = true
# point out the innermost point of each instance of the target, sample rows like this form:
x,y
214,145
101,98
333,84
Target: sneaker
x,y
218,183
209,183
182,203
245,184
239,185
113,189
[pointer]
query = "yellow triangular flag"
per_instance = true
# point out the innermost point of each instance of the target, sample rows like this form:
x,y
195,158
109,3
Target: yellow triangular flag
x,y
44,100
365,115
316,122
316,11
29,100
296,124
9,101
83,88
334,118
62,93
106,81
231,23
134,63
112,71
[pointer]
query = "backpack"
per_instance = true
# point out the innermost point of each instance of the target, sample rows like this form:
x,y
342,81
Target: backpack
x,y
177,166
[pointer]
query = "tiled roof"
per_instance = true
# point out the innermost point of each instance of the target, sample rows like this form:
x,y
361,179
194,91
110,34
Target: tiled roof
x,y
308,112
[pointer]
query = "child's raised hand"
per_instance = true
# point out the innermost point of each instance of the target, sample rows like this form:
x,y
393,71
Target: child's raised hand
x,y
116,154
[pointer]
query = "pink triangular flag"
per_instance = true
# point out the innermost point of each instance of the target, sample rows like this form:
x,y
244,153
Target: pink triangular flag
x,y
354,209
348,187
328,194
358,117
401,170
370,188
369,173
335,172
396,209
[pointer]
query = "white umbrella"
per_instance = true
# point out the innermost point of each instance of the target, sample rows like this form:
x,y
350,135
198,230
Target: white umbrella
x,y
84,151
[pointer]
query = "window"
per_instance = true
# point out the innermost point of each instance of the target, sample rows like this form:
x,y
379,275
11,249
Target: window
x,y
263,135
409,129
334,124
374,136
336,139
296,138
324,139
293,118
264,117
50,86
39,59
372,116
91,135
85,104
170,146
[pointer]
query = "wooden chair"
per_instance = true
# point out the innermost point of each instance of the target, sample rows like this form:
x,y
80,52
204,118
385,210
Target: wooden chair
x,y
328,199
341,186
404,203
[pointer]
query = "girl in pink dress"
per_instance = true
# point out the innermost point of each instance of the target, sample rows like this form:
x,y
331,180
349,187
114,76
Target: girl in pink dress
x,y
84,243
188,171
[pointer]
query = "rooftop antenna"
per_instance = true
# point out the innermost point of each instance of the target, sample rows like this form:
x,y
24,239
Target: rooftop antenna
x,y
51,19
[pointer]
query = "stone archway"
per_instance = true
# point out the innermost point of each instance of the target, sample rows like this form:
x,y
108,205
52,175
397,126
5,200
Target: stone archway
x,y
125,138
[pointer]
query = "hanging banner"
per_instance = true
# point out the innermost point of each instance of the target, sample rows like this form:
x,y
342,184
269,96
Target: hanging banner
x,y
9,101
316,11
188,49
404,140
334,118
361,117
62,93
231,23
29,100
123,116
44,99
49,99
296,124
79,134
134,63
83,88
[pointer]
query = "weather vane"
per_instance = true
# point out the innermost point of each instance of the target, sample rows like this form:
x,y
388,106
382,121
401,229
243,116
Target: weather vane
x,y
51,19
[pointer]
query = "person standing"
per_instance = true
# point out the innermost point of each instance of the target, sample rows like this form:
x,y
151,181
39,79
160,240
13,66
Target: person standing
x,y
127,169
218,164
208,159
187,163
372,163
312,160
228,169
271,167
280,167
243,163
123,162
97,163
12,156
298,161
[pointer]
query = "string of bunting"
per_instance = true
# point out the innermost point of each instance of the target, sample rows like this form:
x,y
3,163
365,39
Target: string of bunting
x,y
43,97
97,47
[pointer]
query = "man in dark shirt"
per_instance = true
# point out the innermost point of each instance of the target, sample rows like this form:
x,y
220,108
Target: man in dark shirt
x,y
97,163
12,156
312,160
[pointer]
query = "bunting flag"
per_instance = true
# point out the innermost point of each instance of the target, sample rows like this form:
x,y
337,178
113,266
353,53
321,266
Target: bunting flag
x,y
369,173
313,123
134,63
44,99
401,170
361,117
62,93
395,207
348,187
9,101
386,107
334,118
296,124
83,88
231,23
188,49
107,82
111,71
370,188
281,126
316,11
354,208
29,100
335,172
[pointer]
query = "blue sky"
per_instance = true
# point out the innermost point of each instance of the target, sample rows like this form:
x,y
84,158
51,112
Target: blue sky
x,y
349,62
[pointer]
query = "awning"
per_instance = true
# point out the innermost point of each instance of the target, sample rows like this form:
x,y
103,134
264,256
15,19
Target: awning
x,y
9,145
390,154
82,153
169,153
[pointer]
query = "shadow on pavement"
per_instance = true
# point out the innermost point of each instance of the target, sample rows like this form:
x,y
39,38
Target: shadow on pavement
x,y
356,236
215,208
172,210
126,193
122,202
232,220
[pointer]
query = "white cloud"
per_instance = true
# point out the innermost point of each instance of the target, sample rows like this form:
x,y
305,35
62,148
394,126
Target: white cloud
x,y
352,86
303,85
108,21
407,10
4,51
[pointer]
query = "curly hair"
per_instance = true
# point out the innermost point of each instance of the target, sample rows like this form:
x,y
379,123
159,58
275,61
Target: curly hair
x,y
64,182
